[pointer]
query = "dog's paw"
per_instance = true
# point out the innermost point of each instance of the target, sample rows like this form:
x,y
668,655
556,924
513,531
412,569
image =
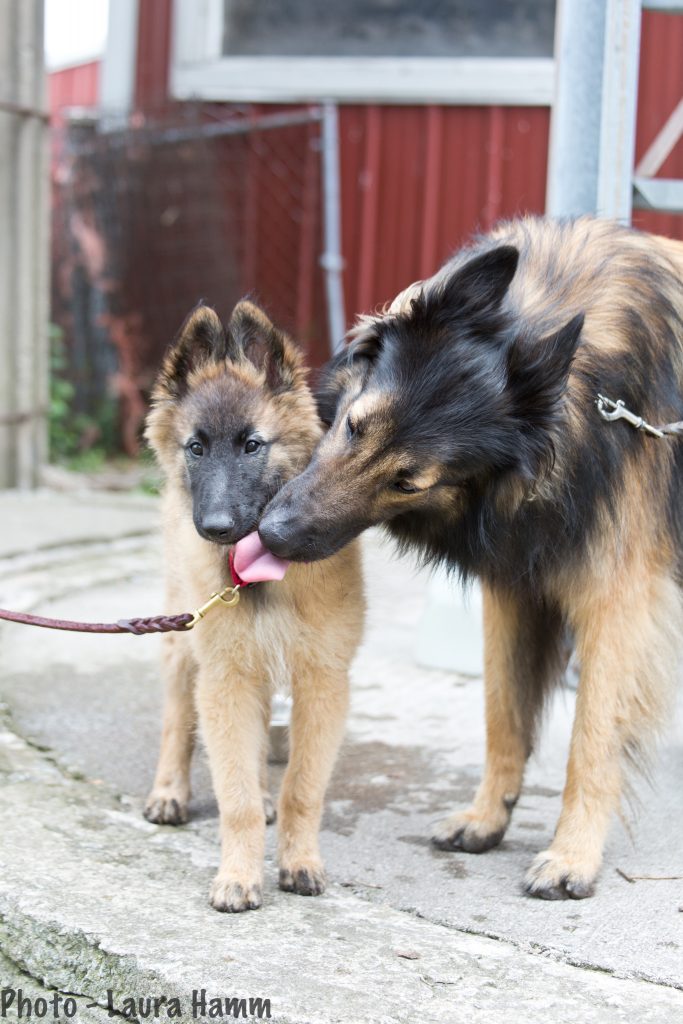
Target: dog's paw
x,y
231,897
306,880
553,876
269,809
469,833
163,807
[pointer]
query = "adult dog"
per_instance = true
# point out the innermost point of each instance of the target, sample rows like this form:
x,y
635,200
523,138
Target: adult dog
x,y
464,418
232,419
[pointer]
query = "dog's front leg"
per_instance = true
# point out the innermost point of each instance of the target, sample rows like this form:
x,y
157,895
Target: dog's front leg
x,y
231,717
318,717
523,643
627,644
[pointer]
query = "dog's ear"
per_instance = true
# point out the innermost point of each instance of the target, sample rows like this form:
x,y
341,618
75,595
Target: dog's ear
x,y
480,285
334,380
201,339
366,342
349,368
266,347
365,339
538,372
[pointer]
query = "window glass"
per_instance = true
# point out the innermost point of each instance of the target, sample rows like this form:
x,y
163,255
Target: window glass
x,y
389,28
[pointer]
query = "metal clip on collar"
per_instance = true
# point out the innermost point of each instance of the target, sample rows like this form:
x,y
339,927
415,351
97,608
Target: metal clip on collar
x,y
219,598
610,411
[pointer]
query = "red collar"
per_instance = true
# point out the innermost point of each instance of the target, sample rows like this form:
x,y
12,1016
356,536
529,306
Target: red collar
x,y
237,580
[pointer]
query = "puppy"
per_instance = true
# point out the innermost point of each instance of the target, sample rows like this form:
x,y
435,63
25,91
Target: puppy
x,y
232,420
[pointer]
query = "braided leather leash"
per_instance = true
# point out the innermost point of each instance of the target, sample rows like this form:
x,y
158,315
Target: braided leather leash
x,y
228,597
138,627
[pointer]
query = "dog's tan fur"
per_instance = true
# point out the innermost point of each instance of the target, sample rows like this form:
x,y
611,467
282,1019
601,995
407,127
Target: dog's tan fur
x,y
623,602
587,544
299,633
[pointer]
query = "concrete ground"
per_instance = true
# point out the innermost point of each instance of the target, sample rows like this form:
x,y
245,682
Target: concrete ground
x,y
93,898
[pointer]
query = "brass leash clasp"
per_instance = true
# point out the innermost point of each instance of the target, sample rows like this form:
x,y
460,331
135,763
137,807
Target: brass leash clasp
x,y
228,597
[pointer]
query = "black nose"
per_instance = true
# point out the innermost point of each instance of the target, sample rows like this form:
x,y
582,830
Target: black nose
x,y
218,528
275,535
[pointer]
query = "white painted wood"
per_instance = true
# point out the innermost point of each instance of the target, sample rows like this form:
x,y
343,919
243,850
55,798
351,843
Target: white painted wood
x,y
665,6
117,84
197,31
662,194
467,81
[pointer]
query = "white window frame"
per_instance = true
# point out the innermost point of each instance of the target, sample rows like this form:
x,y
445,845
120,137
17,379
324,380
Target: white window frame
x,y
117,82
199,70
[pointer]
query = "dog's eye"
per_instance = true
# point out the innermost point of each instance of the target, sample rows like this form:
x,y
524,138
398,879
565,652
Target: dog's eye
x,y
405,487
350,426
196,448
252,446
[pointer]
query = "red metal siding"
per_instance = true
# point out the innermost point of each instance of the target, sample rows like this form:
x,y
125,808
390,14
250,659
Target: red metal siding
x,y
154,53
661,88
78,86
417,181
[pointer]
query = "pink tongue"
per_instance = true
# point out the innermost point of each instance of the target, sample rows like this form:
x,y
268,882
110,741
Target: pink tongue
x,y
254,563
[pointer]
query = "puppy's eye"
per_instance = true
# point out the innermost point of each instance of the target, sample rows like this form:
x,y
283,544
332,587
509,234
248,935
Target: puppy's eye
x,y
252,446
350,427
196,448
405,487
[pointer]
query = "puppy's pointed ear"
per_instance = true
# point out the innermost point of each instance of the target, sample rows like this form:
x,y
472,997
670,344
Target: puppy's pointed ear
x,y
480,285
202,339
267,347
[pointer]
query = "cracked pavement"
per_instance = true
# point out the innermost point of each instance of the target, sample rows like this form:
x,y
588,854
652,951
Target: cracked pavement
x,y
94,898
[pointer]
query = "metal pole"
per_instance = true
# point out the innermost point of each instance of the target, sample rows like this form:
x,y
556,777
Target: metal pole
x,y
619,106
23,245
574,148
331,260
593,126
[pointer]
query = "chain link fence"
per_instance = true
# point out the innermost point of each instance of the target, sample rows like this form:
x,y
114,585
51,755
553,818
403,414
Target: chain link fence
x,y
203,202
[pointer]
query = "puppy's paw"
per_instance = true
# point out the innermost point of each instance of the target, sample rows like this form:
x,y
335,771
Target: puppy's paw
x,y
269,811
166,807
232,897
469,832
555,876
304,880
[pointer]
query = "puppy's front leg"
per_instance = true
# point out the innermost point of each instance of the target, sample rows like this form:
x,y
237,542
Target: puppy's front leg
x,y
168,800
268,805
318,717
232,718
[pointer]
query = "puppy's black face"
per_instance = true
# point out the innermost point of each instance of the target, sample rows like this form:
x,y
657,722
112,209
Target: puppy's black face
x,y
430,405
233,462
232,419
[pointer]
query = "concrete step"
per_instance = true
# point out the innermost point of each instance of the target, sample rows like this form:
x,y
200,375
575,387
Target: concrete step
x,y
93,900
